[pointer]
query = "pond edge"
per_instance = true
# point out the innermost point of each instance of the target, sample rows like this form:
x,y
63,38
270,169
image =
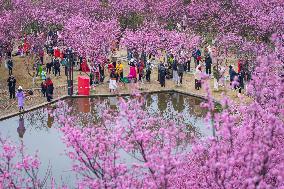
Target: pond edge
x,y
101,95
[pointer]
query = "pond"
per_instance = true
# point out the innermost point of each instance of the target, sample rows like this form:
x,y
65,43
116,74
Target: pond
x,y
37,130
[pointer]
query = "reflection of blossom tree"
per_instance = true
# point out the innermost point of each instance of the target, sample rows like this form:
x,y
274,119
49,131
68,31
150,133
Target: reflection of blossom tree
x,y
183,115
37,119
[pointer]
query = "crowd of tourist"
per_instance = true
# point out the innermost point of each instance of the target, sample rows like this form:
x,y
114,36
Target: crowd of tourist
x,y
51,60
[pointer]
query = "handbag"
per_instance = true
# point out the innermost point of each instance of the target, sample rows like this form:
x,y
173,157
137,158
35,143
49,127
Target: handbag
x,y
30,92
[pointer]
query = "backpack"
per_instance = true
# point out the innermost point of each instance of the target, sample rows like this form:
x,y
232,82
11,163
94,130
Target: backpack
x,y
64,62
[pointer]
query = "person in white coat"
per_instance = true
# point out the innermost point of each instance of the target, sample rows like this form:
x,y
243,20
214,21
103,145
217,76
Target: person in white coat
x,y
197,77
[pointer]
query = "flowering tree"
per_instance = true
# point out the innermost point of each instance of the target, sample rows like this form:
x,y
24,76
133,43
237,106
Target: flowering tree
x,y
247,150
154,39
19,172
130,148
153,146
90,38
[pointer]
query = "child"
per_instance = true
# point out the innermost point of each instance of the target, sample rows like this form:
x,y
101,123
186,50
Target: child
x,y
112,81
198,77
21,98
43,75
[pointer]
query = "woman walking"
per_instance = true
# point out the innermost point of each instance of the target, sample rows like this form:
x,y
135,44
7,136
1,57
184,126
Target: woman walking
x,y
21,98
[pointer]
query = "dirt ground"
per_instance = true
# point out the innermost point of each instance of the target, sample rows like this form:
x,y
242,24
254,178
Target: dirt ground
x,y
24,79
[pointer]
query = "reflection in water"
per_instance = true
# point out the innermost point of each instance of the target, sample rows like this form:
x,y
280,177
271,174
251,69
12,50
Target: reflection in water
x,y
178,102
162,101
39,127
21,129
37,120
50,120
83,105
174,106
113,102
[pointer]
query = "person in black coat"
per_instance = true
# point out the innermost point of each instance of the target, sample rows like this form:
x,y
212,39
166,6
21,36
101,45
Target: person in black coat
x,y
232,73
57,67
162,73
188,65
102,73
10,66
48,67
241,81
43,88
208,63
12,86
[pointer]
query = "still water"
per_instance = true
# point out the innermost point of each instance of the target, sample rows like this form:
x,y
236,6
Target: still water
x,y
37,130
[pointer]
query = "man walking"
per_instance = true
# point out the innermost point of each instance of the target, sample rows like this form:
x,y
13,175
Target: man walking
x,y
180,70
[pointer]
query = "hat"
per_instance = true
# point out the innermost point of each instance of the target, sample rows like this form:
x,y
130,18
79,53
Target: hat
x,y
20,88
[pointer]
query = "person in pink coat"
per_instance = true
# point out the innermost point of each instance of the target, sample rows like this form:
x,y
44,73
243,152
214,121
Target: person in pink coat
x,y
132,73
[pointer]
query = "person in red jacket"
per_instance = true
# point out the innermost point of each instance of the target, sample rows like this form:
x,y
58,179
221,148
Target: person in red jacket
x,y
239,66
41,55
26,47
84,66
49,89
110,67
56,52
